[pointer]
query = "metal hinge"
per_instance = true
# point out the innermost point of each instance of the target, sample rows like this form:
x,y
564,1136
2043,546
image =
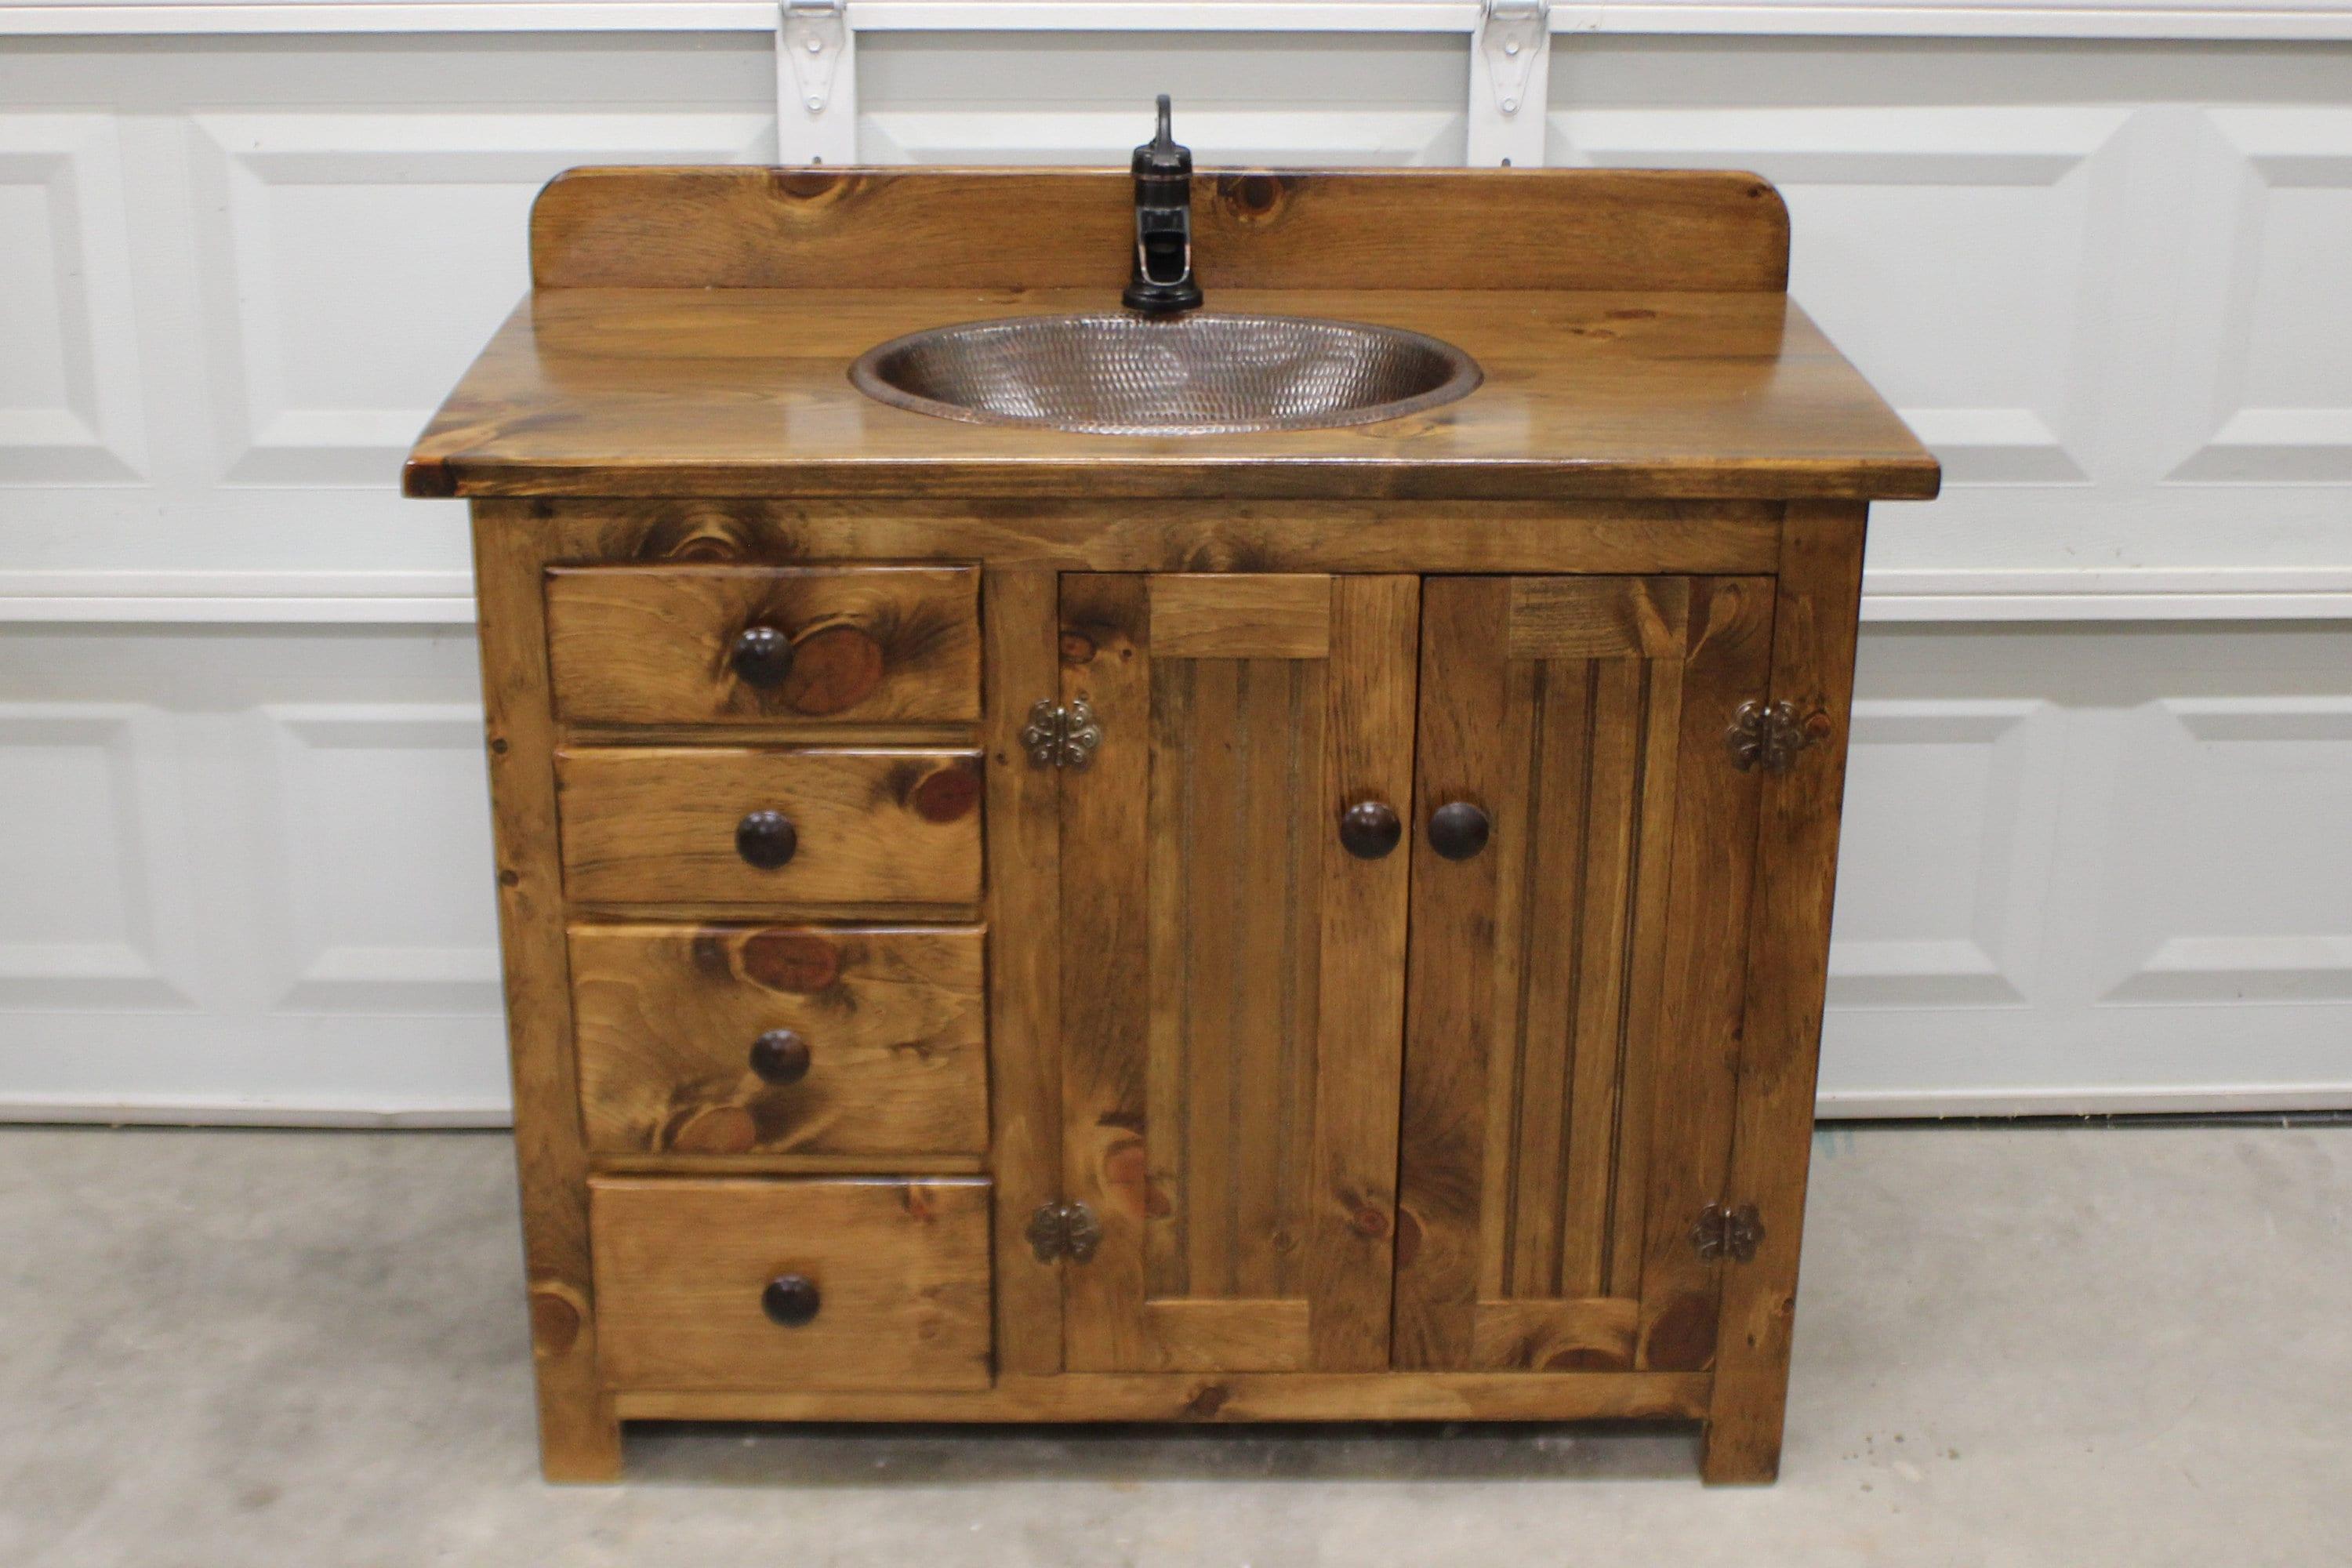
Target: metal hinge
x,y
1730,1233
1063,1230
1059,737
814,34
1770,735
1510,34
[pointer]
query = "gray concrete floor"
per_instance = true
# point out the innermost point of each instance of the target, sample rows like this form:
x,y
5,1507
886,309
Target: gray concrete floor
x,y
239,1349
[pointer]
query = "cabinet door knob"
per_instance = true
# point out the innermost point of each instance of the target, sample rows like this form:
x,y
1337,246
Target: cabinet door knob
x,y
779,1057
762,657
790,1300
1369,829
1458,830
766,839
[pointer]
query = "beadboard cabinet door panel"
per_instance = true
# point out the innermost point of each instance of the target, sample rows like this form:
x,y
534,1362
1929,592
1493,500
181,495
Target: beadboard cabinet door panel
x,y
1232,974
1573,1010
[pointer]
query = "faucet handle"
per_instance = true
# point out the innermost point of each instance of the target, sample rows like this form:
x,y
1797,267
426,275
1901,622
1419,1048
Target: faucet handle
x,y
1163,157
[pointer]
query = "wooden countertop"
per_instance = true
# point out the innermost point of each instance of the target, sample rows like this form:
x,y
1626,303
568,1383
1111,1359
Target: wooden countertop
x,y
1711,385
741,392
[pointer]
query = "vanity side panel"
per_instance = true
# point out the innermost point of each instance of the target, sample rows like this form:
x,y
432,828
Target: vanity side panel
x,y
1814,627
579,1435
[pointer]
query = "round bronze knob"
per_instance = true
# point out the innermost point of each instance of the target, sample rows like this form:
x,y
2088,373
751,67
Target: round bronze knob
x,y
1458,830
779,1057
790,1300
1369,829
766,839
762,655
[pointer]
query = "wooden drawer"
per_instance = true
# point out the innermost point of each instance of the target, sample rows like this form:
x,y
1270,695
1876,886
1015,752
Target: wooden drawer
x,y
666,825
726,644
780,1039
900,1272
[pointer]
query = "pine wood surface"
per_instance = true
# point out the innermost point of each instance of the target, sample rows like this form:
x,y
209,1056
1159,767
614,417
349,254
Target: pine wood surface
x,y
1229,535
893,1020
901,1268
1219,1398
1820,597
1232,980
873,645
579,1435
736,227
746,393
650,825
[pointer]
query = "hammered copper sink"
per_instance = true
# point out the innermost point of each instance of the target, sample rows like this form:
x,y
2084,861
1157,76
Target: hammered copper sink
x,y
1207,374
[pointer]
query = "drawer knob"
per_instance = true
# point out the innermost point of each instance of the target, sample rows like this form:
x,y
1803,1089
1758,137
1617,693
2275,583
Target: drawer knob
x,y
1369,829
789,1300
766,839
779,1057
1458,830
762,657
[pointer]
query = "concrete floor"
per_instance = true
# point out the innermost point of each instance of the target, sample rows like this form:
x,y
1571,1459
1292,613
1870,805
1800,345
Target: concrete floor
x,y
238,1350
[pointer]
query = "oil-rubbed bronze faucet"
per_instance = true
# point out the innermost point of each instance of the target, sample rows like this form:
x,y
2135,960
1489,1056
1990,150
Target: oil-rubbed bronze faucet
x,y
1162,283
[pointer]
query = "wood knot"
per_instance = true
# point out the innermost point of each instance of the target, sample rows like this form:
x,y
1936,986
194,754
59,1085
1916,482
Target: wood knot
x,y
711,1130
1369,1221
834,669
806,187
1253,198
948,792
1077,649
1680,1338
800,961
1207,1400
555,1318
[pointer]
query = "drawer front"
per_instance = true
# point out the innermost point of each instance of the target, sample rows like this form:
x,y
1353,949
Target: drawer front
x,y
897,1274
780,1039
730,644
724,825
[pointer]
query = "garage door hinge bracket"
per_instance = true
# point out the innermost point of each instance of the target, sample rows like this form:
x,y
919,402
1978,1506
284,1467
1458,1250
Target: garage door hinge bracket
x,y
814,34
1725,1232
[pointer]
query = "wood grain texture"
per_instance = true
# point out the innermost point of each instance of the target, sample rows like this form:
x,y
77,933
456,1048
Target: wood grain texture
x,y
1586,1334
1814,627
1105,954
869,644
1536,1009
657,825
578,1437
1220,1398
674,392
1695,1061
1242,616
1368,755
1022,620
1597,618
901,1268
665,1018
1044,533
1332,228
1229,1165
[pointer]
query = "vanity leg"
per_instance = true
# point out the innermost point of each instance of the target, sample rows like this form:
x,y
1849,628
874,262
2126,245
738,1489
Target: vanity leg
x,y
579,1438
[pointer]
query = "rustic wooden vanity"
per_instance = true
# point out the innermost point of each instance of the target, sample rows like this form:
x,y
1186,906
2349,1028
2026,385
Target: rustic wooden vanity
x,y
1011,925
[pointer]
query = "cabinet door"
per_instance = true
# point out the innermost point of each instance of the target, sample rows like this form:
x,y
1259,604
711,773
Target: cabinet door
x,y
1575,991
1232,977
